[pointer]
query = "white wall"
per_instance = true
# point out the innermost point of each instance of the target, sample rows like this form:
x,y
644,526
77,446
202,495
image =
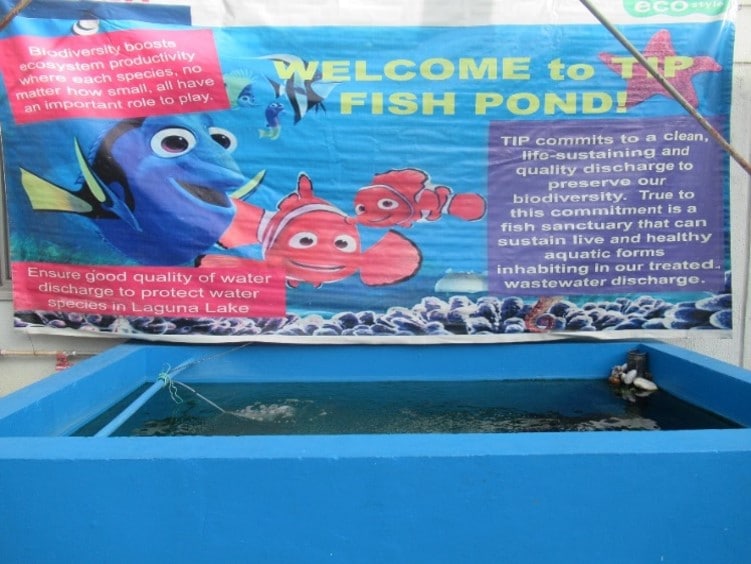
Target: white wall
x,y
17,371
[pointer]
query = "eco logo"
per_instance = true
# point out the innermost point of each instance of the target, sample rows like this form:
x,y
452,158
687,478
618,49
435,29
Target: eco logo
x,y
678,8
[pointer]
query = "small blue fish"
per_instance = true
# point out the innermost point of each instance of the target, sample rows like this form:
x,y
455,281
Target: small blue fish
x,y
273,125
159,189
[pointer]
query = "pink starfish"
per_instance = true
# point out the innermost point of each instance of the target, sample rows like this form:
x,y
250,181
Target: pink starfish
x,y
677,70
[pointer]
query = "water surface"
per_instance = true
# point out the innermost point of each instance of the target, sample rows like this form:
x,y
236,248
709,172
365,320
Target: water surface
x,y
405,407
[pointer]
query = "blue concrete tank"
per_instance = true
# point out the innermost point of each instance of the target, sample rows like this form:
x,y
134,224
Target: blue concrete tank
x,y
672,496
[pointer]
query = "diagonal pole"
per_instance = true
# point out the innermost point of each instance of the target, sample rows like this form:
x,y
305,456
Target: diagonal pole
x,y
716,135
13,12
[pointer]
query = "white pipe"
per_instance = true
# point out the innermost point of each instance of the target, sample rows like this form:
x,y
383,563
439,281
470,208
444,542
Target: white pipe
x,y
9,352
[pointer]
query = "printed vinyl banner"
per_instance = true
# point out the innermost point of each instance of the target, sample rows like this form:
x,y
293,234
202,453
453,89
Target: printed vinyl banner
x,y
515,180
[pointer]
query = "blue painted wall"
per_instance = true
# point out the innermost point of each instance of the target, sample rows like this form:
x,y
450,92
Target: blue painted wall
x,y
330,500
605,497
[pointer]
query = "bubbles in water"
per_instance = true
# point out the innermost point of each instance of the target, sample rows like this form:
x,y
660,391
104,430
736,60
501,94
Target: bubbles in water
x,y
336,408
262,412
619,424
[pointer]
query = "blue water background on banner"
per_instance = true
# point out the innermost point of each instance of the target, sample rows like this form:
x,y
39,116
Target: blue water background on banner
x,y
342,152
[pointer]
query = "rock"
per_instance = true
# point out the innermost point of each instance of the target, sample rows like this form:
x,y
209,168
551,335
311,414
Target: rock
x,y
644,384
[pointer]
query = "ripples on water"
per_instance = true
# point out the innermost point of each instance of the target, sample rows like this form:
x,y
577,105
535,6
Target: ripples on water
x,y
413,407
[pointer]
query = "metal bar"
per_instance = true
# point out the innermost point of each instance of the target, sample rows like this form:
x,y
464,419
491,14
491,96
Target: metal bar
x,y
716,135
13,12
125,414
9,352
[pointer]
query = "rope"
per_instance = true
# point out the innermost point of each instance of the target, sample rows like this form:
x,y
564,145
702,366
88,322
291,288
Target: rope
x,y
204,398
166,377
195,362
169,383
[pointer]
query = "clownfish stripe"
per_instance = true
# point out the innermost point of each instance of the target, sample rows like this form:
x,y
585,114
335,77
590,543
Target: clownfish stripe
x,y
263,225
445,207
396,193
269,229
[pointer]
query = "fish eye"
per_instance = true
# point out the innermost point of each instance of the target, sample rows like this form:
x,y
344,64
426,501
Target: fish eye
x,y
345,243
172,142
225,138
303,240
387,204
360,209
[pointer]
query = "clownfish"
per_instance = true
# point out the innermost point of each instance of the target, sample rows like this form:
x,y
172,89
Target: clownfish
x,y
402,197
316,243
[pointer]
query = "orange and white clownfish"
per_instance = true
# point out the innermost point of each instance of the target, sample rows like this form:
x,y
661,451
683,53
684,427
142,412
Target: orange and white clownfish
x,y
317,243
402,197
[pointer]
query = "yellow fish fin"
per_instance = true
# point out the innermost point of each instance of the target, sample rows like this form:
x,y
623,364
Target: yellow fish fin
x,y
88,175
247,188
47,196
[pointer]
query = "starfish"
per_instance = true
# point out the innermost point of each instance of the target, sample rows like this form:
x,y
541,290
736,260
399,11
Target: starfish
x,y
677,70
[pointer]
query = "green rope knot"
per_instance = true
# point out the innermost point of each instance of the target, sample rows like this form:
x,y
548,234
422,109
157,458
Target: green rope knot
x,y
170,385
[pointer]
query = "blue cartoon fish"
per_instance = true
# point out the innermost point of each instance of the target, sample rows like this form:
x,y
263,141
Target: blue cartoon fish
x,y
302,84
159,189
273,124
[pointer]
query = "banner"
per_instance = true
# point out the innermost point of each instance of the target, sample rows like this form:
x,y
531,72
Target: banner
x,y
518,179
